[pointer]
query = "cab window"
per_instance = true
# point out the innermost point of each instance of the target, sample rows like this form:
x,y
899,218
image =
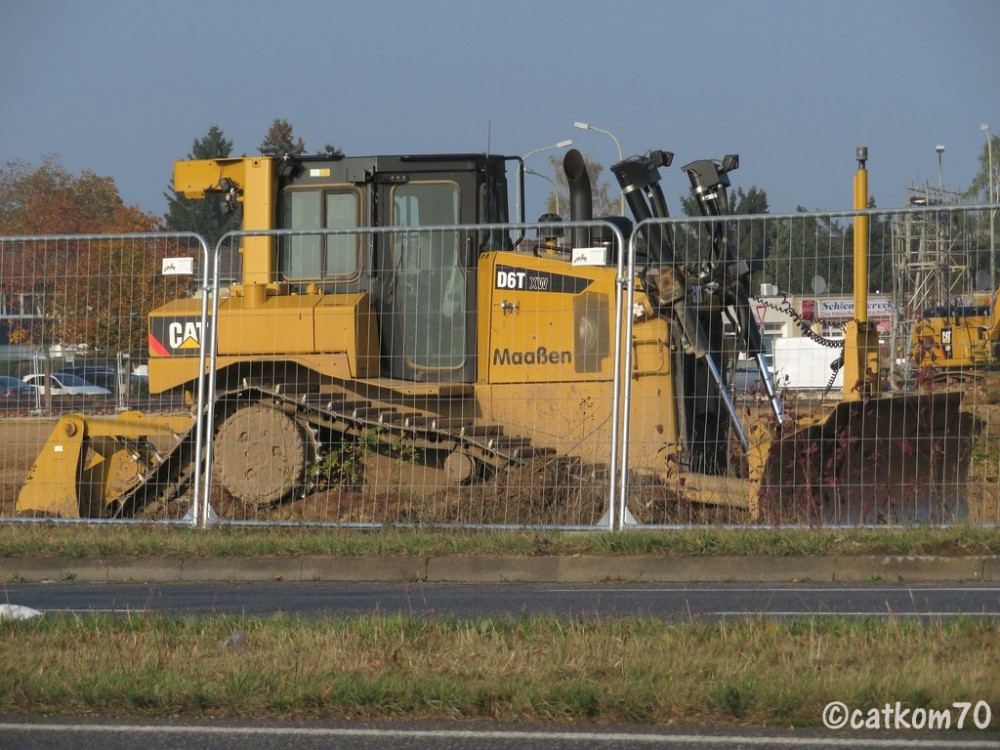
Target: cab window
x,y
429,275
319,257
422,205
425,203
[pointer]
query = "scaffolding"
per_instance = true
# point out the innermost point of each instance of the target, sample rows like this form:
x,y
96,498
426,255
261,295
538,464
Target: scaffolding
x,y
930,261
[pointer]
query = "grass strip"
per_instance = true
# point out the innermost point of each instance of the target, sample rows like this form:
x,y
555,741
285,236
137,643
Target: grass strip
x,y
86,541
535,668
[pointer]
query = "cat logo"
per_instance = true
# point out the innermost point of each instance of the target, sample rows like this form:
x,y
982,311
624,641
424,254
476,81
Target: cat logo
x,y
185,335
175,336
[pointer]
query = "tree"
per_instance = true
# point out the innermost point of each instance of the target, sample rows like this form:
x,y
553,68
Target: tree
x,y
981,182
49,200
984,230
213,146
280,142
809,246
93,290
741,202
204,217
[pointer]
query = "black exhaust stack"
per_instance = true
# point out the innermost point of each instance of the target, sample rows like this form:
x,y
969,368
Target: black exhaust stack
x,y
581,199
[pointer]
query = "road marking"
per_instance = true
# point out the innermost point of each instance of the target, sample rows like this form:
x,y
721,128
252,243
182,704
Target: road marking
x,y
716,613
611,738
872,613
96,610
694,588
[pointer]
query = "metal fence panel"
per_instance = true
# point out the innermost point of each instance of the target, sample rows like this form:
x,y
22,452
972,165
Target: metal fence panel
x,y
470,380
74,323
909,439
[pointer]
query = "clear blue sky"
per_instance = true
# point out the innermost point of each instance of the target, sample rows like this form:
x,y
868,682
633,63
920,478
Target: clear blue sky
x,y
123,87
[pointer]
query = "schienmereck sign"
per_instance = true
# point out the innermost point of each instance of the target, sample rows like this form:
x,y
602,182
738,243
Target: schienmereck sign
x,y
843,307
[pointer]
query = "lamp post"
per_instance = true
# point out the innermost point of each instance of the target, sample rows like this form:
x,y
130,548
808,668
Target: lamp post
x,y
587,126
560,144
555,190
940,229
990,192
940,150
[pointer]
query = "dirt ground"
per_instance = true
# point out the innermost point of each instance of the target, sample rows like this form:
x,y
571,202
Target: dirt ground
x,y
538,493
23,439
541,492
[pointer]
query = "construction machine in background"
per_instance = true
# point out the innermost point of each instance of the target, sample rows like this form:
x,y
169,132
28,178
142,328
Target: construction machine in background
x,y
957,343
371,321
947,325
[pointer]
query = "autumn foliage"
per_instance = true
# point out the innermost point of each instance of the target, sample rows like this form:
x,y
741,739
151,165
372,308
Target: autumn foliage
x,y
93,290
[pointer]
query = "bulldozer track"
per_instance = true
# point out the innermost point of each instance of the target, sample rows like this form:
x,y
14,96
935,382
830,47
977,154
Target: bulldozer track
x,y
486,445
169,479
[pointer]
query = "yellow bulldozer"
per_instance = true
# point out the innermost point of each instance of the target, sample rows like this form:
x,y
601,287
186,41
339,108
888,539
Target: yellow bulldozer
x,y
392,299
957,343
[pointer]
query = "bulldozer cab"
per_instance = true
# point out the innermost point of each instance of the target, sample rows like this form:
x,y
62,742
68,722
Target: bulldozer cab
x,y
422,279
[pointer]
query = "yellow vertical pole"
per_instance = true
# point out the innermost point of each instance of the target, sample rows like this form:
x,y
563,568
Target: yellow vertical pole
x,y
861,350
861,240
258,213
254,181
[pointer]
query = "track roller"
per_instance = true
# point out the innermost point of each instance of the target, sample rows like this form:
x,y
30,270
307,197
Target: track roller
x,y
260,454
459,467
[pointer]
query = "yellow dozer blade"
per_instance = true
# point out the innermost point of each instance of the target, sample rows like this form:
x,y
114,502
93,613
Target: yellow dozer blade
x,y
89,464
894,459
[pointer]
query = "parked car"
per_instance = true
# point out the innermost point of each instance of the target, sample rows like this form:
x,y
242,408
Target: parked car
x,y
102,376
743,376
11,388
107,377
65,384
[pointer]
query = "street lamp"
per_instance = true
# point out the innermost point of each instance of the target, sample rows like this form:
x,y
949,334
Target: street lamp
x,y
560,144
555,190
586,126
940,150
990,190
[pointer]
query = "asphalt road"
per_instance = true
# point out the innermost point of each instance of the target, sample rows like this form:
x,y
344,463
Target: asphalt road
x,y
69,734
674,602
668,602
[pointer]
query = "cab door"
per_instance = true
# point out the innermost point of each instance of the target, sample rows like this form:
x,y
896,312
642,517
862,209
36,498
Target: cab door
x,y
427,304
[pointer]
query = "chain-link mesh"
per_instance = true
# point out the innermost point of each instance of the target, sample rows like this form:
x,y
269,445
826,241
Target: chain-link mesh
x,y
466,379
496,376
75,340
900,433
